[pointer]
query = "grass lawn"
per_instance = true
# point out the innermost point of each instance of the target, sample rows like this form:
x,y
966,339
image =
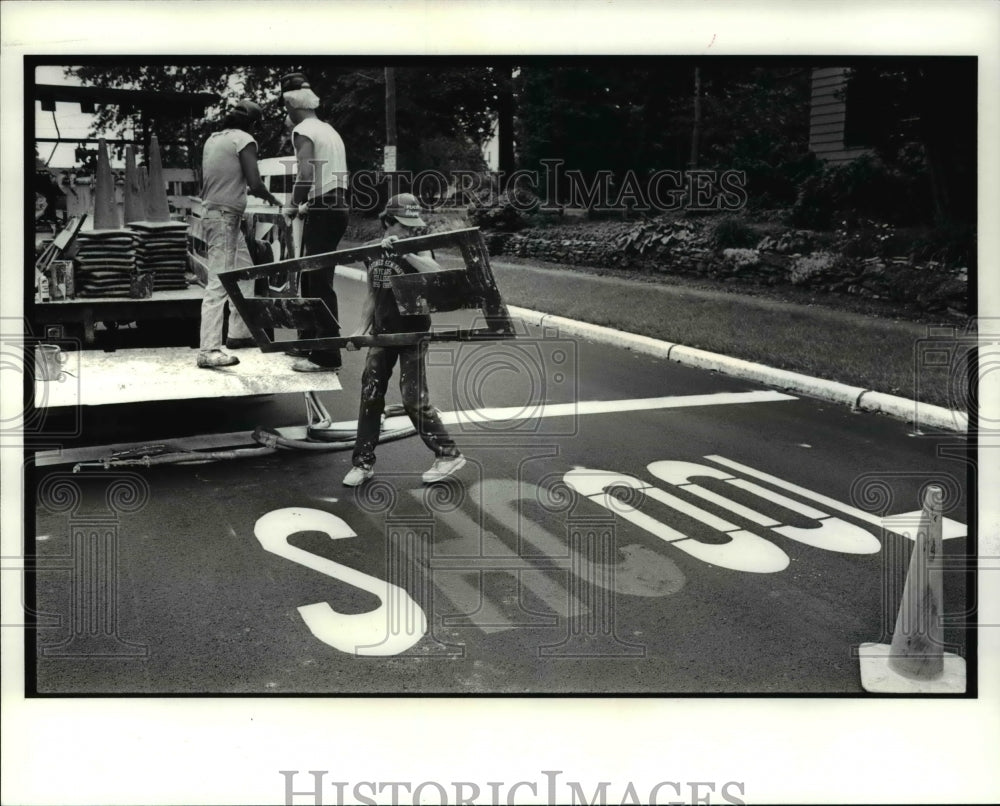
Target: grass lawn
x,y
875,353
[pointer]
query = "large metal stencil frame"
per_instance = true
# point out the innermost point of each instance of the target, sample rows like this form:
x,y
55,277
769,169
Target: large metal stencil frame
x,y
447,290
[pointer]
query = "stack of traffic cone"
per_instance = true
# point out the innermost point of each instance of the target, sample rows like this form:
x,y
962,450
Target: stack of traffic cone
x,y
161,244
135,200
915,662
105,257
135,210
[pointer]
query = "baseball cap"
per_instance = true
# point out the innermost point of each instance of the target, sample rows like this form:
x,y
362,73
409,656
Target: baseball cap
x,y
248,109
405,209
294,81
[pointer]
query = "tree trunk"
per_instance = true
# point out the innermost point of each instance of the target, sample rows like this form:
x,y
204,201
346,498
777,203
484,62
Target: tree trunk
x,y
505,123
696,126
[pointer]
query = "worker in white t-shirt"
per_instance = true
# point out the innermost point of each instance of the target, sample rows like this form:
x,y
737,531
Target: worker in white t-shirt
x,y
229,171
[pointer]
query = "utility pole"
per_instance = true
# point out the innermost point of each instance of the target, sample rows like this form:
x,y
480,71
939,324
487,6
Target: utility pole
x,y
389,159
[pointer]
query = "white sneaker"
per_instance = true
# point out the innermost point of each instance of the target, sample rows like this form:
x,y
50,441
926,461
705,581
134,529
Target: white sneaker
x,y
443,467
357,476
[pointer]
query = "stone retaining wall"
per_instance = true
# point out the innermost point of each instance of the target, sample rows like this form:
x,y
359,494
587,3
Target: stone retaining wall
x,y
931,286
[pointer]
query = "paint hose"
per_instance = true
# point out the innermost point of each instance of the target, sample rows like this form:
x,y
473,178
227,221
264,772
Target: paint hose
x,y
157,457
272,439
269,442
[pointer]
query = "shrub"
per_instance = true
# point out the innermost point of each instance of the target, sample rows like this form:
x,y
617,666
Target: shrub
x,y
732,233
862,188
506,212
807,267
738,259
953,244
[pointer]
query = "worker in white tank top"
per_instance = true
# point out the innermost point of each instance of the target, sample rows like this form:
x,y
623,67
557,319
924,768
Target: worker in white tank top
x,y
320,195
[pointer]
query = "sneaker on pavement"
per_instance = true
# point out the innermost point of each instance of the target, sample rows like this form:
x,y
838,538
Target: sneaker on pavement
x,y
357,476
443,467
305,365
216,358
237,344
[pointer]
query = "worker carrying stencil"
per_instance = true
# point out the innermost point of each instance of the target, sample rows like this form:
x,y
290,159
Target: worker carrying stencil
x,y
380,315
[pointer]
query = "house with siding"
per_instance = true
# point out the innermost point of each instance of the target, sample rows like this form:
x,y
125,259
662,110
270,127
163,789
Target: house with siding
x,y
836,132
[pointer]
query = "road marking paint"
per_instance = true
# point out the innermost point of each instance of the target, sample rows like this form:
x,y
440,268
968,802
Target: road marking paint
x,y
829,533
531,411
779,499
891,523
727,503
640,573
393,627
699,514
476,551
745,551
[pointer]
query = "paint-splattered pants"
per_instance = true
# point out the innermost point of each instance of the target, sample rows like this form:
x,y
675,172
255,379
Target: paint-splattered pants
x,y
227,250
413,388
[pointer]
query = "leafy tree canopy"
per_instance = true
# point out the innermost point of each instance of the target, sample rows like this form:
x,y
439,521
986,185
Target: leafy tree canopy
x,y
435,105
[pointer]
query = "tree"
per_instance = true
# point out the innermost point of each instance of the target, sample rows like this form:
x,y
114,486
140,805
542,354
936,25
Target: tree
x,y
228,81
921,115
434,103
755,119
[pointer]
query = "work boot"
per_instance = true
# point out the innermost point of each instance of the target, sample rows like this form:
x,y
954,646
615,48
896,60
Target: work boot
x,y
443,467
357,476
305,365
216,358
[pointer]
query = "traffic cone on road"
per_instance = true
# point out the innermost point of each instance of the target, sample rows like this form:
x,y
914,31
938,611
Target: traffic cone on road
x,y
157,206
105,209
135,200
916,662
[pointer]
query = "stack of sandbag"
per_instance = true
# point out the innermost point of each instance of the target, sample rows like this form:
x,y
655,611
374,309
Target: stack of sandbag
x,y
161,249
105,263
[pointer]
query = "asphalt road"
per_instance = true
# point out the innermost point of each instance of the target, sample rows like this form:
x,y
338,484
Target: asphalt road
x,y
652,529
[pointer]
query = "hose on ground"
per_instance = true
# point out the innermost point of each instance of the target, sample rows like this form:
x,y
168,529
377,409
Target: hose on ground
x,y
268,439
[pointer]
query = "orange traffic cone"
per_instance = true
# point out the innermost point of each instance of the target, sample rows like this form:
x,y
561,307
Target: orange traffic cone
x,y
916,662
135,202
105,209
157,206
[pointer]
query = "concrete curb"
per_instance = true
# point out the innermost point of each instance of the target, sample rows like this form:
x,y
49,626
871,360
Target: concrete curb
x,y
859,399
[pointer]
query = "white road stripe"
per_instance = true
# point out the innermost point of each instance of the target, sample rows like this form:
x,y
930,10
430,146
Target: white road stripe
x,y
533,411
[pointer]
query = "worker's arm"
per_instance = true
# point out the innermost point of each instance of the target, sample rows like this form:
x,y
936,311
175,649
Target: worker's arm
x,y
367,317
304,153
421,261
255,185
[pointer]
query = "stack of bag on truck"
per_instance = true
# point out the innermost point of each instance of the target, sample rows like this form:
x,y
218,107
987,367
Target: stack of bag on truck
x,y
160,243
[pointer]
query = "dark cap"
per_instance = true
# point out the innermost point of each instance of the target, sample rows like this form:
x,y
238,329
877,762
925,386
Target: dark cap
x,y
294,81
405,209
247,109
